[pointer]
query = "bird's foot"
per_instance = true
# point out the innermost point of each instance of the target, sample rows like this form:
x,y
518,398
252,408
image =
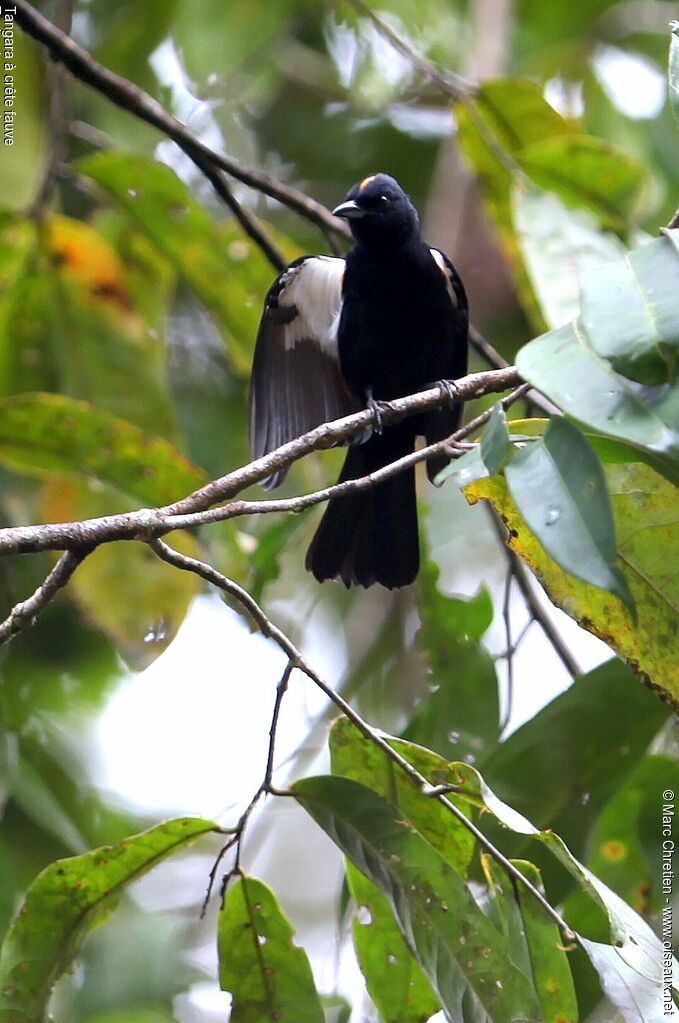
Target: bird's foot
x,y
376,412
450,389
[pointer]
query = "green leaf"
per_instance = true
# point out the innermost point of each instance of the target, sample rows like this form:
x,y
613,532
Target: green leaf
x,y
65,902
395,982
635,951
630,312
69,323
225,269
49,433
535,770
673,69
495,446
125,590
561,247
588,172
647,558
536,937
635,943
456,945
563,366
622,852
25,162
259,964
461,716
510,131
355,757
559,488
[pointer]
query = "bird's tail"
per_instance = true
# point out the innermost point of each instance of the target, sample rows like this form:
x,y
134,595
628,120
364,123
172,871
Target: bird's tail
x,y
371,536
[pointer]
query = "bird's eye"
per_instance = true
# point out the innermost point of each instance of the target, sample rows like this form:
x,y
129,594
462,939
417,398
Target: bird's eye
x,y
384,199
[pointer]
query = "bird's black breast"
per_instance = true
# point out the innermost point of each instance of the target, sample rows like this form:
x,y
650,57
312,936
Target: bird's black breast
x,y
399,328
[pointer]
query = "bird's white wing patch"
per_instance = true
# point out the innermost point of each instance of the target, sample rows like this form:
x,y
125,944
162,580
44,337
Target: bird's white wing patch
x,y
314,289
296,381
440,261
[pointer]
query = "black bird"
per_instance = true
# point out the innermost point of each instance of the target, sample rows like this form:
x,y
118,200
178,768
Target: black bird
x,y
338,334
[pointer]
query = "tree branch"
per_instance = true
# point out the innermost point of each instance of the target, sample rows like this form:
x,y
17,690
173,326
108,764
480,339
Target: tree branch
x,y
130,97
297,660
149,523
453,85
538,613
23,614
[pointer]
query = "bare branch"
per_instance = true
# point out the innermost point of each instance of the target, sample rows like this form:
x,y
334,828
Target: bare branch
x,y
539,614
148,523
130,97
23,614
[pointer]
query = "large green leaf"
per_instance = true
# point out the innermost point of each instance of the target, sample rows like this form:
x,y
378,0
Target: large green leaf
x,y
535,770
531,933
647,557
624,847
636,947
458,948
395,982
563,366
561,247
70,323
509,132
558,486
461,715
268,976
630,312
586,172
125,590
224,269
25,159
354,757
42,434
66,901
634,953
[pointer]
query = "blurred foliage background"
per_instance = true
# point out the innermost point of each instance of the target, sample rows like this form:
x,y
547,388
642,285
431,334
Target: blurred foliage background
x,y
125,284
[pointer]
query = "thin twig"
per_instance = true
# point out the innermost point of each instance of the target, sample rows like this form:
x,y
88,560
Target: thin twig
x,y
507,617
297,660
238,833
453,85
23,614
130,97
58,113
148,523
537,611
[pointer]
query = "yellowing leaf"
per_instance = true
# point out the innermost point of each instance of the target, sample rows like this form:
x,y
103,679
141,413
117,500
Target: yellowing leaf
x,y
646,514
126,591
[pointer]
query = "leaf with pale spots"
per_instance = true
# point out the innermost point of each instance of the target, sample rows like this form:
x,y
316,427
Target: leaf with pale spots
x,y
267,974
463,955
43,434
68,900
395,982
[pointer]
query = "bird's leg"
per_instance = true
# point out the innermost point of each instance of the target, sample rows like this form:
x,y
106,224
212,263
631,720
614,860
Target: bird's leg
x,y
449,388
375,410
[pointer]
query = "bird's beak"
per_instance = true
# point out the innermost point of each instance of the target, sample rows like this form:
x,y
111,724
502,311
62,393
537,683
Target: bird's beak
x,y
349,210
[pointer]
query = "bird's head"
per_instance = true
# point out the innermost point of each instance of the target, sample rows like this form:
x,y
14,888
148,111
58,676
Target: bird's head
x,y
379,211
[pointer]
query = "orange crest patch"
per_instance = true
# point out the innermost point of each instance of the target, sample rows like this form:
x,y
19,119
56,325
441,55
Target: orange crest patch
x,y
366,181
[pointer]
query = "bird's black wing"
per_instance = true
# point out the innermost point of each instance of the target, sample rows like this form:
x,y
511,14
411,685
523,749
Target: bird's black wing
x,y
296,382
441,423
